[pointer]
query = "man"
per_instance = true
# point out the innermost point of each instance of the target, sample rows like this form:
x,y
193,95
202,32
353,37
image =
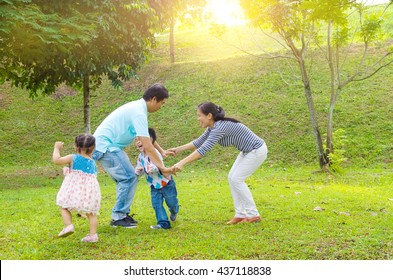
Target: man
x,y
117,131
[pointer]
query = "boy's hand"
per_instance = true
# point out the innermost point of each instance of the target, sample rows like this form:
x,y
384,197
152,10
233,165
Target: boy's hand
x,y
149,169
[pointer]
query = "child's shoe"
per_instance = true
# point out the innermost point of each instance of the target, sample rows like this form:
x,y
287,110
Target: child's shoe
x,y
156,227
90,238
68,230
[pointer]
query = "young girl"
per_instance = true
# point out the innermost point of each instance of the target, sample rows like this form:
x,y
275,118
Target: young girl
x,y
229,132
80,191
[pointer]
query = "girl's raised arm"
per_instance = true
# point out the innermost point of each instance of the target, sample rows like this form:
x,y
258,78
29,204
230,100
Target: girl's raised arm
x,y
57,158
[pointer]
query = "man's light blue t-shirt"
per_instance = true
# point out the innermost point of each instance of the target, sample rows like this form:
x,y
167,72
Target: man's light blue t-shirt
x,y
120,128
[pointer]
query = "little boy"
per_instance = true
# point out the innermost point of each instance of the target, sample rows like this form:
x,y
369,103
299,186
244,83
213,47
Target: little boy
x,y
161,188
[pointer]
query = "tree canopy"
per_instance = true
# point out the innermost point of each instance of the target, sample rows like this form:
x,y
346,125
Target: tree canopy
x,y
49,43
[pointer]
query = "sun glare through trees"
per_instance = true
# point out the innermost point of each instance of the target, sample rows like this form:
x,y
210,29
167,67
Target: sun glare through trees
x,y
227,12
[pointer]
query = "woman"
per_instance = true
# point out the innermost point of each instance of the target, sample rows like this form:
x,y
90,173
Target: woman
x,y
228,132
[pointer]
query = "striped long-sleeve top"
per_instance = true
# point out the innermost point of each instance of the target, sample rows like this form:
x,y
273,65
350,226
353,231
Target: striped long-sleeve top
x,y
227,133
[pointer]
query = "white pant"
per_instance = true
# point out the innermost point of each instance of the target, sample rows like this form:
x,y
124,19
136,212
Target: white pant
x,y
244,166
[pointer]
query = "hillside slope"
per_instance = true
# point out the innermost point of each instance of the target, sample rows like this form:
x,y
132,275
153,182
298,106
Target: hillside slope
x,y
248,88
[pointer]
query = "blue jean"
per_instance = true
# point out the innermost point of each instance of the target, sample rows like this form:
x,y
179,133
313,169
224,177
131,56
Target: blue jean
x,y
169,194
118,166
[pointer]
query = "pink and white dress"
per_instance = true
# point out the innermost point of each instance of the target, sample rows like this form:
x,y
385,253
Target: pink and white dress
x,y
80,190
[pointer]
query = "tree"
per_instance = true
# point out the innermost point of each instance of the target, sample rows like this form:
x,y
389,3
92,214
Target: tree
x,y
33,38
173,10
299,25
75,43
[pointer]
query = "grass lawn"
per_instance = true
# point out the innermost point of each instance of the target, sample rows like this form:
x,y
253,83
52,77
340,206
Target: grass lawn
x,y
306,216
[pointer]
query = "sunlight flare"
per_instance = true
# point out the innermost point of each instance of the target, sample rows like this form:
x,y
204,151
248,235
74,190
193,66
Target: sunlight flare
x,y
226,12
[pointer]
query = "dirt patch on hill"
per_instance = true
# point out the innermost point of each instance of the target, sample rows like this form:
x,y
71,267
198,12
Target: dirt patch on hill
x,y
5,99
63,91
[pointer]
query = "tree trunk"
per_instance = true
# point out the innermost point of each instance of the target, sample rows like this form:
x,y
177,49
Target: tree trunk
x,y
86,103
172,38
322,158
299,55
329,132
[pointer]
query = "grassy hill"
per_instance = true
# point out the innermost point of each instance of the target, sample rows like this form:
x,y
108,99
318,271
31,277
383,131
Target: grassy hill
x,y
261,93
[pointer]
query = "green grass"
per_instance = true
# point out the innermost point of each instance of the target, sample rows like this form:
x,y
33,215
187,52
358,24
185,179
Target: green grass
x,y
355,223
357,218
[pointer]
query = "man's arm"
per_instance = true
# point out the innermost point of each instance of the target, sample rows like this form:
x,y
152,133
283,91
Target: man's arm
x,y
151,152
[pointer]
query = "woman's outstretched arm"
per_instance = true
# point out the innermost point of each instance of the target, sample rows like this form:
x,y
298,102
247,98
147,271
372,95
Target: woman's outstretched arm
x,y
190,158
189,146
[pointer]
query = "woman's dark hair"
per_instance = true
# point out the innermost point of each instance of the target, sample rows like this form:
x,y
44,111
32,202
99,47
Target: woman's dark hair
x,y
85,142
217,112
156,90
152,134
